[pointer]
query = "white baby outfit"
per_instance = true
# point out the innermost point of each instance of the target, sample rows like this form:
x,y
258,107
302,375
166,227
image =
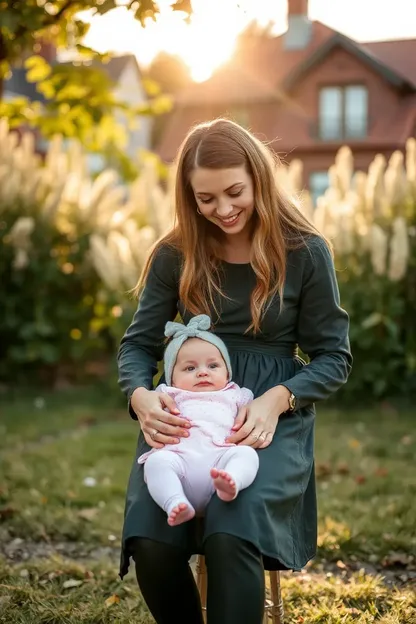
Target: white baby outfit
x,y
180,472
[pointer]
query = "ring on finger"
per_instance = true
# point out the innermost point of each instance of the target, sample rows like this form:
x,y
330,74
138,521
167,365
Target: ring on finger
x,y
154,434
255,436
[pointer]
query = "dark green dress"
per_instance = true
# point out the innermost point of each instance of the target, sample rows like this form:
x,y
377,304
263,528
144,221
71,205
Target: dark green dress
x,y
278,511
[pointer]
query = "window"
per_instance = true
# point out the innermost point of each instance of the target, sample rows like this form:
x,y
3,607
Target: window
x,y
343,112
318,184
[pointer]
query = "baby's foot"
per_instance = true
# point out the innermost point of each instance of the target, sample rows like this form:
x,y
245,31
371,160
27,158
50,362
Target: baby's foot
x,y
181,513
224,484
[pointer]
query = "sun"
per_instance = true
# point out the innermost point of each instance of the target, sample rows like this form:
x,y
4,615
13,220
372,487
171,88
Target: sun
x,y
206,42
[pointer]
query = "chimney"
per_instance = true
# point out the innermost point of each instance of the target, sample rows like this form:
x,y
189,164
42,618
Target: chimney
x,y
299,31
297,7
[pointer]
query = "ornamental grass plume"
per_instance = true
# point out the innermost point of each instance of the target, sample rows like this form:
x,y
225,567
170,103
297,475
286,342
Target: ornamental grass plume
x,y
20,238
378,249
344,169
399,250
395,184
374,193
411,164
105,263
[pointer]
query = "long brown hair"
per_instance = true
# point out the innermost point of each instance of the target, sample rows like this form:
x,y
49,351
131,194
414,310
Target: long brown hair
x,y
278,224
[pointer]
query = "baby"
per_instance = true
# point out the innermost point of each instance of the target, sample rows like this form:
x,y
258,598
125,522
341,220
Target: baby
x,y
182,478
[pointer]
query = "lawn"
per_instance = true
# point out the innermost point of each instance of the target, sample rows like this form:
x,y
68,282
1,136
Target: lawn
x,y
65,460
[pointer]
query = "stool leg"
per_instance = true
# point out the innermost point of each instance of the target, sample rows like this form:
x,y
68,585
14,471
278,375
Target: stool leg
x,y
276,595
201,581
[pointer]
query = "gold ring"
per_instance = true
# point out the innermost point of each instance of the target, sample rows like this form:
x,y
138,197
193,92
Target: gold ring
x,y
154,434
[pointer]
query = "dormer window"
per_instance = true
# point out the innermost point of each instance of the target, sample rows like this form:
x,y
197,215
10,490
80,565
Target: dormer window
x,y
343,112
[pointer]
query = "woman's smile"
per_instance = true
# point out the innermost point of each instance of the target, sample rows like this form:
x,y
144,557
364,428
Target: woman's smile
x,y
230,221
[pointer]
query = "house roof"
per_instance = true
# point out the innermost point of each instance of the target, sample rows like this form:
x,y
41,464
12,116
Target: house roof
x,y
18,84
114,67
117,64
399,54
229,84
365,54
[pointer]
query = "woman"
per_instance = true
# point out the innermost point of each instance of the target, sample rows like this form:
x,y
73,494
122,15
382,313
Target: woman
x,y
241,252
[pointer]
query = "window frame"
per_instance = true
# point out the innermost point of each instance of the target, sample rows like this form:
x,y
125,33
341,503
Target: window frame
x,y
343,133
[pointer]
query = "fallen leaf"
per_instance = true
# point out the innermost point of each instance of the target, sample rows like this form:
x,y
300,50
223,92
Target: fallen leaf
x,y
354,443
88,514
381,472
72,583
341,564
114,599
323,470
343,468
360,479
7,512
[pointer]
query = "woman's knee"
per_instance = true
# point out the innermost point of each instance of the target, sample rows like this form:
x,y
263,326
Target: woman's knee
x,y
150,553
225,550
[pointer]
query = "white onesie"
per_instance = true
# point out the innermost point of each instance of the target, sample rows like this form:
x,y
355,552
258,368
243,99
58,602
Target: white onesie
x,y
180,473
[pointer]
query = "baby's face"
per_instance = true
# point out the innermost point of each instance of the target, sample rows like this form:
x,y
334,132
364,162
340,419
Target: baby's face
x,y
199,367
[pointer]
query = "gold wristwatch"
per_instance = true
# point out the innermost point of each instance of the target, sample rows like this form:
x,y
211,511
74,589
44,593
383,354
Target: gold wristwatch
x,y
292,402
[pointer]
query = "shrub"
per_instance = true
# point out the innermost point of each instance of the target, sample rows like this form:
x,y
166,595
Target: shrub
x,y
71,248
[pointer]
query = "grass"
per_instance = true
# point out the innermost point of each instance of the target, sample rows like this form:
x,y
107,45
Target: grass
x,y
65,460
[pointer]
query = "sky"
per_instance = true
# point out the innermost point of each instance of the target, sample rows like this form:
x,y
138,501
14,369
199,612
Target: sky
x,y
210,38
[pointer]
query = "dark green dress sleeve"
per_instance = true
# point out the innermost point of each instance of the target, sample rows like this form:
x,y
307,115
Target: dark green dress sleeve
x,y
322,329
142,345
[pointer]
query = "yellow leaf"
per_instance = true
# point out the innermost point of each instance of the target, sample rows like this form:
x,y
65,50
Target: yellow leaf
x,y
353,443
37,69
114,599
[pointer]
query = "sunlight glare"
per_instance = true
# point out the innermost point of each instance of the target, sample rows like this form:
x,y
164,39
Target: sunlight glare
x,y
210,38
204,44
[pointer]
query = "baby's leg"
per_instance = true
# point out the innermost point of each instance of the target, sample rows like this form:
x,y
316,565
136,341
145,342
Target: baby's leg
x,y
162,472
236,470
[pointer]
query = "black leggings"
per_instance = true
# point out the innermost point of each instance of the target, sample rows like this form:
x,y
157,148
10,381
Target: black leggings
x,y
235,581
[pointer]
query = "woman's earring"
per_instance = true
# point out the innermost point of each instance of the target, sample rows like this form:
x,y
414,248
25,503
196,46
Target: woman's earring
x,y
198,211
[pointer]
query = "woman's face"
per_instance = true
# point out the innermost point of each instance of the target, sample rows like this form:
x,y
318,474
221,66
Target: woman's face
x,y
224,197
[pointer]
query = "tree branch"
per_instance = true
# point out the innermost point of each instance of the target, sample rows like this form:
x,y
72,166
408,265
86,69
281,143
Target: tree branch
x,y
22,30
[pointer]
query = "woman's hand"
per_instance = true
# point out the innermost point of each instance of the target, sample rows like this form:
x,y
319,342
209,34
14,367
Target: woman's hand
x,y
256,422
159,426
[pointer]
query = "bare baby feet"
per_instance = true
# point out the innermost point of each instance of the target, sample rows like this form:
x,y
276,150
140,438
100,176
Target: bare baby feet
x,y
181,513
224,485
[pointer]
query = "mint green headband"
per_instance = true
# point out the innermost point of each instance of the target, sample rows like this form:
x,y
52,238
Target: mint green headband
x,y
197,327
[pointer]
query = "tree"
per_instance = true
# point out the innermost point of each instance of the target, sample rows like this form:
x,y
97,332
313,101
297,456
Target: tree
x,y
169,72
73,101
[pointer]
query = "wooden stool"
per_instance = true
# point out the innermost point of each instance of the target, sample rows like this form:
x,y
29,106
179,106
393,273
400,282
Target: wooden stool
x,y
273,608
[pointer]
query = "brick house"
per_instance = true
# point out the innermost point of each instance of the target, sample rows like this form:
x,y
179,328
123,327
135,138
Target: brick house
x,y
307,92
